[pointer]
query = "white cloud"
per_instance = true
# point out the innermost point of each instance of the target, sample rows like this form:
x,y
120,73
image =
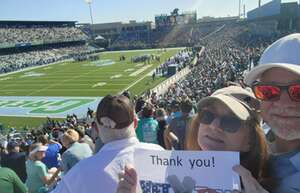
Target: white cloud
x,y
88,1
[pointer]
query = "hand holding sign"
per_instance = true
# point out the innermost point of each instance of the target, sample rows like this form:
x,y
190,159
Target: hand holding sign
x,y
186,171
250,183
128,180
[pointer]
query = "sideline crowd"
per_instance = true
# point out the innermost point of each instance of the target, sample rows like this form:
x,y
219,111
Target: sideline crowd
x,y
36,34
14,62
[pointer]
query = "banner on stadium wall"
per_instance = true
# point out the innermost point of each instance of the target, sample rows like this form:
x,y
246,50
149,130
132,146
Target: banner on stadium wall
x,y
186,171
54,107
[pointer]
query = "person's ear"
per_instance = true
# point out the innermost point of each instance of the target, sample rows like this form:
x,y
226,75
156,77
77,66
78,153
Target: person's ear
x,y
97,128
135,122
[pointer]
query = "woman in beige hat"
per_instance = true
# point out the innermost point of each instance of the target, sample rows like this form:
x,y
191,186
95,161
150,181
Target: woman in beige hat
x,y
228,120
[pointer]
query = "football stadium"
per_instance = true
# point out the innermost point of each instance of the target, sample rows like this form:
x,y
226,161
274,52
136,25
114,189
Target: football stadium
x,y
106,74
95,90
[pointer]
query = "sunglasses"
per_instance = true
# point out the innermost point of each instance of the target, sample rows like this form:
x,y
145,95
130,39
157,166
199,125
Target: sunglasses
x,y
270,92
229,124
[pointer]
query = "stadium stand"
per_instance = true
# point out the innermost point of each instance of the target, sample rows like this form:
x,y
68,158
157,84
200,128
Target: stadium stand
x,y
36,33
229,49
229,53
24,44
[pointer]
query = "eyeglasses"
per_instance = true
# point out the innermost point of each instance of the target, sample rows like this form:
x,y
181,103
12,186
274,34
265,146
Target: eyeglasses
x,y
270,92
229,124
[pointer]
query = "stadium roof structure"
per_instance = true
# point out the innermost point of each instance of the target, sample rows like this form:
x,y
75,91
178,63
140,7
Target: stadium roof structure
x,y
19,22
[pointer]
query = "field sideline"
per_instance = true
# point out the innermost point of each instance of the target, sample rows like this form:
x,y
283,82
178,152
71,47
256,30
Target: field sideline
x,y
98,78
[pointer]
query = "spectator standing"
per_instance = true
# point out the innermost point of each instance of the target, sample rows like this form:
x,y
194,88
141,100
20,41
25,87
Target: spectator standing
x,y
75,151
10,182
175,111
52,153
84,138
38,177
99,173
147,126
179,126
160,116
15,160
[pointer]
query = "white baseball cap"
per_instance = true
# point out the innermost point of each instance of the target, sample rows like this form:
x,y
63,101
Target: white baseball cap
x,y
284,53
39,148
240,101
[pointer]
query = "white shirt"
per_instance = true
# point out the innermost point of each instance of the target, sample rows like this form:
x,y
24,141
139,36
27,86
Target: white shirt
x,y
99,173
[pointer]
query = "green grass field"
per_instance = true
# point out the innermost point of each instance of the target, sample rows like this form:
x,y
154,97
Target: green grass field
x,y
82,79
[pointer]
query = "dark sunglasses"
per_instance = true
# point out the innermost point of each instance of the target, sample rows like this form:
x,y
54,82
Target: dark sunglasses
x,y
229,124
271,92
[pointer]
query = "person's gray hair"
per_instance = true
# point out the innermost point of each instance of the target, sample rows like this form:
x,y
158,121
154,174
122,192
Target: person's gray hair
x,y
109,135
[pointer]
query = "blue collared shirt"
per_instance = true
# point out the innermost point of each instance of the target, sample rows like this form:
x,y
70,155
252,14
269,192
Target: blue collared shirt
x,y
286,169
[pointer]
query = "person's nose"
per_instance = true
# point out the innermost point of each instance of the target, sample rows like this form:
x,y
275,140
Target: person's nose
x,y
215,124
285,100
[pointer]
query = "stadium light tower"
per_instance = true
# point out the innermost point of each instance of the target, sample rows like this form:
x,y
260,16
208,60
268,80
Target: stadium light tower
x,y
89,2
240,2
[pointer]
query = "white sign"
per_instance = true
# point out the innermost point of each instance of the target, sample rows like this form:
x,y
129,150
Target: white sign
x,y
186,171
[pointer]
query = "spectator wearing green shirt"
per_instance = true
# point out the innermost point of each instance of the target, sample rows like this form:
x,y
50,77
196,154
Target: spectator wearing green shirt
x,y
147,126
37,174
10,182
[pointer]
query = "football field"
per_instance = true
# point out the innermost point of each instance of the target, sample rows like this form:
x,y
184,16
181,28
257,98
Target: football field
x,y
108,75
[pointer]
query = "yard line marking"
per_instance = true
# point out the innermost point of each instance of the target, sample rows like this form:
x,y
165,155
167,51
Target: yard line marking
x,y
140,70
32,74
116,76
139,65
60,83
129,70
131,85
99,84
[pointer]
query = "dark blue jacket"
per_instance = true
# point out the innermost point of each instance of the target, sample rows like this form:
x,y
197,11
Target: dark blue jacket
x,y
16,162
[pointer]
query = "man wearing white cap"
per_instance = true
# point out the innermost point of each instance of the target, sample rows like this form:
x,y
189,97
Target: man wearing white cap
x,y
99,174
276,82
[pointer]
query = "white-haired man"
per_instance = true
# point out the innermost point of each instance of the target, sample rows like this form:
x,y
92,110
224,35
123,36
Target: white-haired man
x,y
276,82
99,173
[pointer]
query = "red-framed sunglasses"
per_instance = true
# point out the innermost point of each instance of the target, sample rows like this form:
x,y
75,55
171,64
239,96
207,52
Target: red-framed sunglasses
x,y
272,92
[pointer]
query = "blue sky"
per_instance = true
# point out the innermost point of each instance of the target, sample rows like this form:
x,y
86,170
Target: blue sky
x,y
115,10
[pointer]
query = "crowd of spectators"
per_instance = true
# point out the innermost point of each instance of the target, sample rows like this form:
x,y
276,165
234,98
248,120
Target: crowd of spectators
x,y
18,34
14,62
227,55
181,35
180,60
223,60
33,45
